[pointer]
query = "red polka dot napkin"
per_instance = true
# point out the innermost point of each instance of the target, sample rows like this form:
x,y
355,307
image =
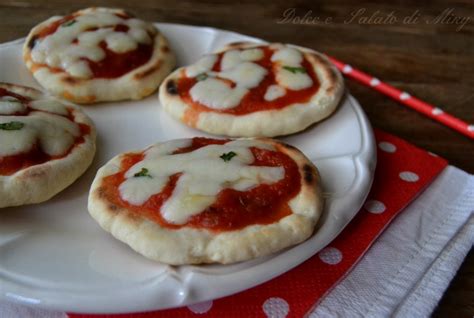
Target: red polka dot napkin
x,y
402,172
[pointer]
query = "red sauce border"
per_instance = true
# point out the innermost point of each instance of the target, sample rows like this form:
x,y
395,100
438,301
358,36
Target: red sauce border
x,y
232,210
254,101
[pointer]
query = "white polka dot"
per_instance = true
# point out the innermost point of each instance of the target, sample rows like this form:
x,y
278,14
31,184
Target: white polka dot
x,y
409,176
387,146
374,82
404,96
437,111
347,69
276,307
470,127
433,154
201,308
330,255
374,206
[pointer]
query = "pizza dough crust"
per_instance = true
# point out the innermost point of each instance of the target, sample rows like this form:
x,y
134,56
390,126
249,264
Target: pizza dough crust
x,y
41,182
268,123
135,84
195,246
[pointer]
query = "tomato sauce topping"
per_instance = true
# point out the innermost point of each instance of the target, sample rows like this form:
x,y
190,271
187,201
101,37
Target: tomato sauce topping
x,y
254,100
114,64
35,156
232,210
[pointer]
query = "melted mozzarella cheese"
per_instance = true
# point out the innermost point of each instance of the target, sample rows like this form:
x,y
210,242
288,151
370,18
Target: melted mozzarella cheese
x,y
274,92
294,81
58,50
49,105
53,133
251,54
203,175
217,94
288,56
10,105
230,59
246,74
237,66
13,142
120,42
204,65
233,58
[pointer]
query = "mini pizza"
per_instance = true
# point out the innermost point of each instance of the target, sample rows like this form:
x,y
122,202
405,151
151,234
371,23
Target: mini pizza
x,y
201,200
254,90
98,54
44,145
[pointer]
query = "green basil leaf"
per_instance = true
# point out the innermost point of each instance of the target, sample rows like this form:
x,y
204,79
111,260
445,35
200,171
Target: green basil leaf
x,y
142,173
68,23
228,156
13,125
201,77
295,70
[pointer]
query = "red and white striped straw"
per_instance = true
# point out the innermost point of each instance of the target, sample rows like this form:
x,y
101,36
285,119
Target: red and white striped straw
x,y
405,98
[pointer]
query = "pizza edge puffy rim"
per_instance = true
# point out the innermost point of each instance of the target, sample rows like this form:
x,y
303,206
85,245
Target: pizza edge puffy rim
x,y
134,85
39,183
198,246
291,119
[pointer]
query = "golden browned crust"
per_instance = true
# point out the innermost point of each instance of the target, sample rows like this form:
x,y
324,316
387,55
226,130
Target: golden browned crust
x,y
331,73
150,70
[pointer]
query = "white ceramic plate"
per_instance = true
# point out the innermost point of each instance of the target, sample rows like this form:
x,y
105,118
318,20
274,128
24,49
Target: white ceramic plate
x,y
53,255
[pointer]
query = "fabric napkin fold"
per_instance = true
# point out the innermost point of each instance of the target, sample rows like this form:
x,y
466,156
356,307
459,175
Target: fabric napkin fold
x,y
404,273
407,270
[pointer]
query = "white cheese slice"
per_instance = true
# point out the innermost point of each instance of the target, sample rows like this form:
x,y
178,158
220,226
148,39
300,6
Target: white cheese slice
x,y
274,92
203,175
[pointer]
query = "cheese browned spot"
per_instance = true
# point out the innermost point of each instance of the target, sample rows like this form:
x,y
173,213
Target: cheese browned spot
x,y
171,87
308,173
32,42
